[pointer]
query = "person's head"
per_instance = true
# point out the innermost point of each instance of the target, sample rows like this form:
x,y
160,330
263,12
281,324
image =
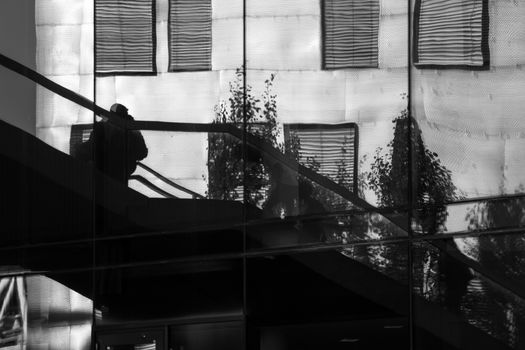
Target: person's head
x,y
121,110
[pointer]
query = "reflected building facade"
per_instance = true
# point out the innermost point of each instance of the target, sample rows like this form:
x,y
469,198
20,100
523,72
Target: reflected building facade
x,y
335,174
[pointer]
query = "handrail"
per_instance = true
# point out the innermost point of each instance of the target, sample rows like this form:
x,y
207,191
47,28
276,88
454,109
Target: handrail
x,y
252,140
60,90
194,195
151,186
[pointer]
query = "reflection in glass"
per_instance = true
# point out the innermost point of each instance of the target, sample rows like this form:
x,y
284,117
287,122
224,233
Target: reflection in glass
x,y
217,336
327,285
367,334
116,150
482,306
132,339
193,289
483,214
391,171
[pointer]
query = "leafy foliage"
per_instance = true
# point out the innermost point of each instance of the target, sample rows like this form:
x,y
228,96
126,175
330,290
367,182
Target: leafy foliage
x,y
228,175
505,252
431,184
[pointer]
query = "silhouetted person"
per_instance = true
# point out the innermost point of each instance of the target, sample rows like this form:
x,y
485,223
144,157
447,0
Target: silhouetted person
x,y
116,150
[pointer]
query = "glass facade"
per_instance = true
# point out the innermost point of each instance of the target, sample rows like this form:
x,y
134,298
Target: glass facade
x,y
246,174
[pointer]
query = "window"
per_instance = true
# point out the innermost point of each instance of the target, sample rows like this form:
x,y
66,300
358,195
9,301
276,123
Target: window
x,y
451,33
331,148
350,32
125,36
189,36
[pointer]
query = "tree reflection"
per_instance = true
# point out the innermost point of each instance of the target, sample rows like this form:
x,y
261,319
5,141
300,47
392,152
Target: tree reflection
x,y
407,158
502,254
229,175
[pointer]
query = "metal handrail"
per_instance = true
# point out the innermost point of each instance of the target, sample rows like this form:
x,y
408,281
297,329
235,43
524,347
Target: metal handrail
x,y
151,186
194,195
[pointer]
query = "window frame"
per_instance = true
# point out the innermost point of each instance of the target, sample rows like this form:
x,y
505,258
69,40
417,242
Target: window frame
x,y
324,64
153,71
290,127
485,49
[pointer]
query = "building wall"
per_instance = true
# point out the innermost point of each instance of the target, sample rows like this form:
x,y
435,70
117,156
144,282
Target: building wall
x,y
65,55
477,113
282,40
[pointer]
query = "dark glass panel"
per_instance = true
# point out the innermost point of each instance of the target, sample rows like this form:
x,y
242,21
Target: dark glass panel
x,y
176,188
166,245
345,227
207,336
50,257
132,339
461,303
328,285
189,290
363,335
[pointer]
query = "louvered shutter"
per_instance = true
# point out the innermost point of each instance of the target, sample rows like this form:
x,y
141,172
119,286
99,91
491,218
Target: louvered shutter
x,y
451,33
125,36
350,32
332,146
190,35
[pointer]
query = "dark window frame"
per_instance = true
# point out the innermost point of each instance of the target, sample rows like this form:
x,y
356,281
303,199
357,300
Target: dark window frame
x,y
485,49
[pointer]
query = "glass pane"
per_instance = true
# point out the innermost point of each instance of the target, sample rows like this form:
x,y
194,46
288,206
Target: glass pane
x,y
136,339
327,285
464,299
208,336
369,334
47,257
325,112
332,299
55,39
346,227
160,246
468,103
47,194
192,174
187,180
176,291
462,216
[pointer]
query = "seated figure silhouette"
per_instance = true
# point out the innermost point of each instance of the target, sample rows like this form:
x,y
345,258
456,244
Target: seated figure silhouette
x,y
116,151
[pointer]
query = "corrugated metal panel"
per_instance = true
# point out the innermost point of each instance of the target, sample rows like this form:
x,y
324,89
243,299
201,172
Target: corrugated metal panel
x,y
333,147
125,36
190,35
351,30
451,32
